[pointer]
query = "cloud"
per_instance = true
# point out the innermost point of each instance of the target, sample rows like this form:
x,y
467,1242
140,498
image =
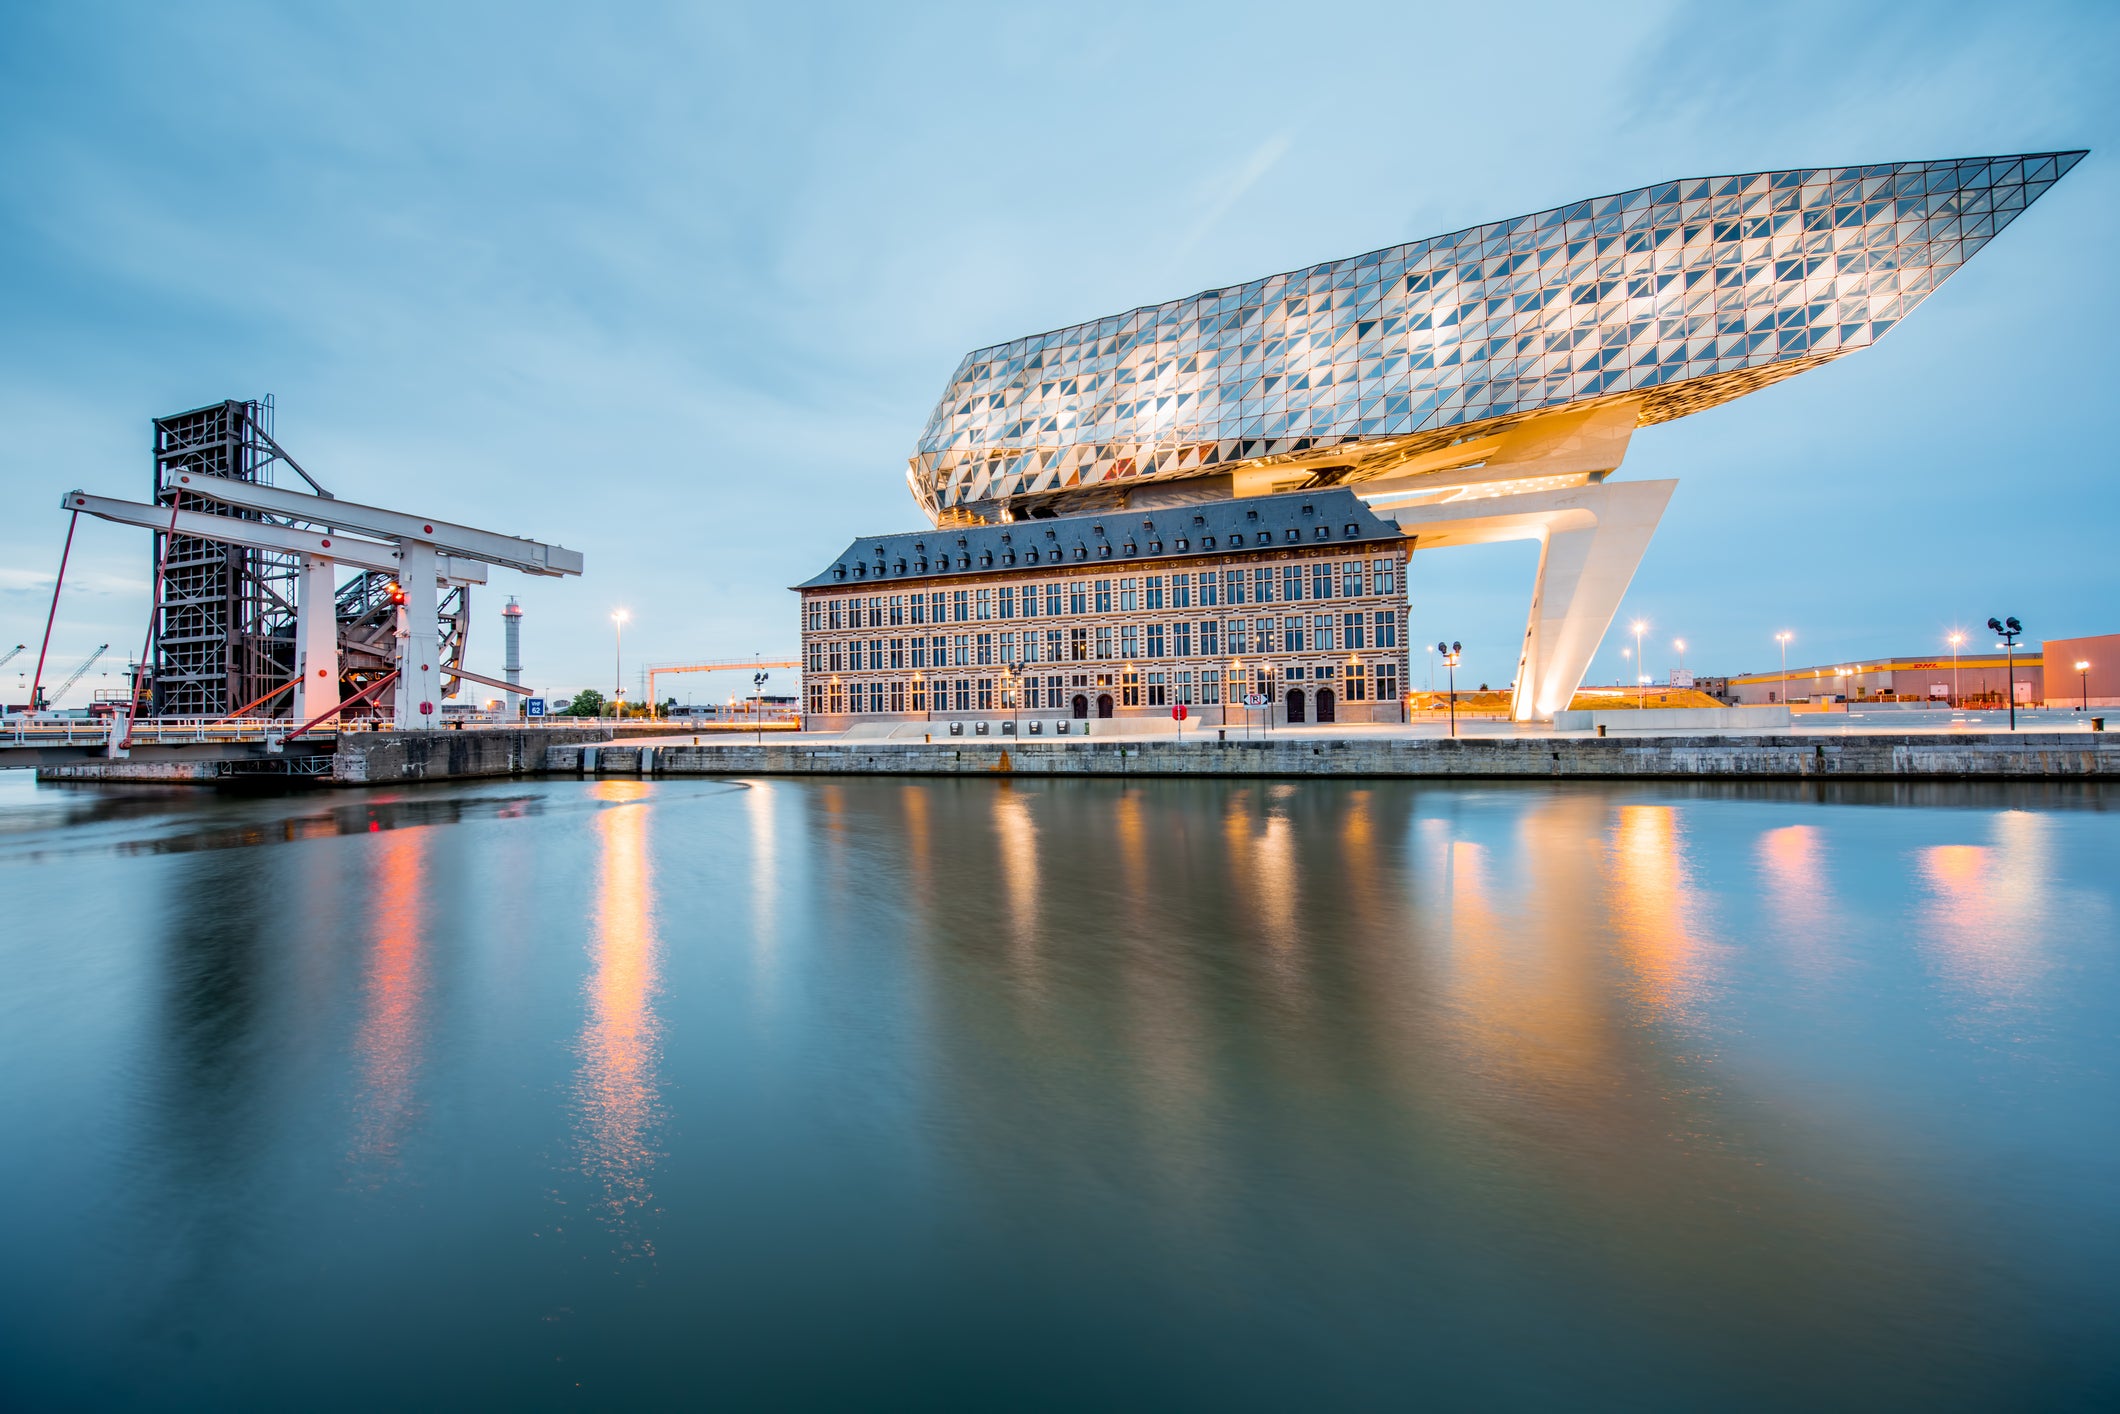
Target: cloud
x,y
1257,165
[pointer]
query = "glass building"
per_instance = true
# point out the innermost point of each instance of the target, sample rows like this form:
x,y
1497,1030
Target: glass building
x,y
1476,386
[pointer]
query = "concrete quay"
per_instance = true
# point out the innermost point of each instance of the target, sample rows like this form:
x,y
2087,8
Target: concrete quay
x,y
1851,756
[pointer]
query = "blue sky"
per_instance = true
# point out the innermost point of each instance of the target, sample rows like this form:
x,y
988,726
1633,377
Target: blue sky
x,y
677,287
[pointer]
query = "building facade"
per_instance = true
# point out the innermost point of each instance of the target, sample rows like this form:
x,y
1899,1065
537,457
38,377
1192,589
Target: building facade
x,y
1297,603
1972,680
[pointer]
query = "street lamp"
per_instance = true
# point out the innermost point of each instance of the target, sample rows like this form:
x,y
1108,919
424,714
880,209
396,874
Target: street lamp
x,y
618,658
1639,629
1015,699
1450,652
2008,631
1956,640
1680,645
758,704
1783,639
2083,672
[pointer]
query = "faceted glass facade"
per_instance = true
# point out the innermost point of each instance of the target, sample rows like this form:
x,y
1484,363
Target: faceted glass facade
x,y
1679,296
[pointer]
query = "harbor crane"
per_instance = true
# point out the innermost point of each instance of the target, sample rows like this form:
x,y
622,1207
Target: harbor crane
x,y
9,656
71,678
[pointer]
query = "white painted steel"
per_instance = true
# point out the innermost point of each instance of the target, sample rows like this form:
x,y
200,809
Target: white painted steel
x,y
514,552
316,639
419,682
258,535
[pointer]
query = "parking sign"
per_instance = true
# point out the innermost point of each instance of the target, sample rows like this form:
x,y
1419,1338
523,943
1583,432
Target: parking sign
x,y
536,706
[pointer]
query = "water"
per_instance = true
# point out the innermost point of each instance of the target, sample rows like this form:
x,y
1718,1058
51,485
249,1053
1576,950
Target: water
x,y
1059,1094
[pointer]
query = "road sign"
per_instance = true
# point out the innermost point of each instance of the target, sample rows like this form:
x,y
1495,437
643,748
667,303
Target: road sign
x,y
1254,699
537,706
1177,713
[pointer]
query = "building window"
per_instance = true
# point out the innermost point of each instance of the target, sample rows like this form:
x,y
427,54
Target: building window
x,y
815,655
1078,597
1351,630
1321,577
1262,584
1104,641
919,695
935,608
1078,644
838,614
1052,645
897,610
1181,591
1357,682
1208,596
1155,640
1008,645
1211,687
1233,586
920,658
1182,644
961,604
897,697
816,698
1007,594
1129,689
1104,596
1129,597
1291,582
897,655
986,649
1209,646
1387,681
985,598
1381,578
1152,591
1388,628
1158,695
838,656
1236,639
964,694
1129,641
1321,633
919,607
1053,596
1292,634
986,694
838,700
1351,580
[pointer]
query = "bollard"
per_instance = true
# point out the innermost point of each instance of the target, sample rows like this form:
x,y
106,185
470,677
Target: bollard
x,y
1600,728
2097,724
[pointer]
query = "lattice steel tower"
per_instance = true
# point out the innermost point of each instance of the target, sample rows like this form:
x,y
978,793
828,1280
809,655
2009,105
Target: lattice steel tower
x,y
225,633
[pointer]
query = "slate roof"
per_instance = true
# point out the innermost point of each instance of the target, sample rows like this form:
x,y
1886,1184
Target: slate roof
x,y
1329,517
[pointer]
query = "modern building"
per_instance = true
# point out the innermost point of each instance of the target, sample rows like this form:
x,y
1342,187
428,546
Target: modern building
x,y
1974,680
1470,388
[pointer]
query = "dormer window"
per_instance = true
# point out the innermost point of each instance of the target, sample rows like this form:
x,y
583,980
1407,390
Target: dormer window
x,y
1155,547
1251,515
921,564
1181,543
1294,534
1081,552
1234,541
839,572
1207,542
1353,529
899,565
1309,511
1199,520
986,559
1324,532
1130,548
1008,557
1104,552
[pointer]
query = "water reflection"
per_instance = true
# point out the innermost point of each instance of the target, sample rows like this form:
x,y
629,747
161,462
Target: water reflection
x,y
1986,916
1658,917
1802,913
387,1047
617,1089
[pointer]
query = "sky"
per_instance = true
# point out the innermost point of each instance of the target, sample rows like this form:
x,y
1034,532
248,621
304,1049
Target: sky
x,y
678,286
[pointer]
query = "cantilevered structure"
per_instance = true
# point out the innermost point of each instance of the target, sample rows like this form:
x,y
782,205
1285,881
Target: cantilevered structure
x,y
1475,386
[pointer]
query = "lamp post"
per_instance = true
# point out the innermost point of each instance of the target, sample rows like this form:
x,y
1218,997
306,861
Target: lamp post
x,y
2083,673
1783,639
1450,652
1680,645
2009,630
758,704
1956,640
1641,678
1015,698
618,658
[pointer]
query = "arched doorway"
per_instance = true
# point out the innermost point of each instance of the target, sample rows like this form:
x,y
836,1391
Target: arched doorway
x,y
1295,704
1325,705
1081,707
1104,704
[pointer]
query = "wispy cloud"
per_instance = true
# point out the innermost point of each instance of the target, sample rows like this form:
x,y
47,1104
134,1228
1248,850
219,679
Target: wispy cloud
x,y
1260,161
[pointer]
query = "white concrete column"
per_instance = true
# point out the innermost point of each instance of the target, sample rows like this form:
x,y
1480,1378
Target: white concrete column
x,y
1583,573
419,666
1591,538
316,691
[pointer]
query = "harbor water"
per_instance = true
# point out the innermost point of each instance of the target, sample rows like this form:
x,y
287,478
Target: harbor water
x,y
1060,1094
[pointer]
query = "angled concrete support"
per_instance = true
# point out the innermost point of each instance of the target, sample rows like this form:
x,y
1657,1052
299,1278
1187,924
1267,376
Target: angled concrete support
x,y
1591,538
316,690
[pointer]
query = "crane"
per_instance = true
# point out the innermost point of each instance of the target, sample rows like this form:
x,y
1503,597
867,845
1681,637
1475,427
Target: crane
x,y
75,676
9,656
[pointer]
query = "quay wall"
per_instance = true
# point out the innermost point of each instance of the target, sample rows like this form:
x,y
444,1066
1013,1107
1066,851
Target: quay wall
x,y
1880,756
386,758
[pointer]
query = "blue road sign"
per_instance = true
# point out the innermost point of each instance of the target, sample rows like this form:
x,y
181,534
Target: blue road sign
x,y
537,706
